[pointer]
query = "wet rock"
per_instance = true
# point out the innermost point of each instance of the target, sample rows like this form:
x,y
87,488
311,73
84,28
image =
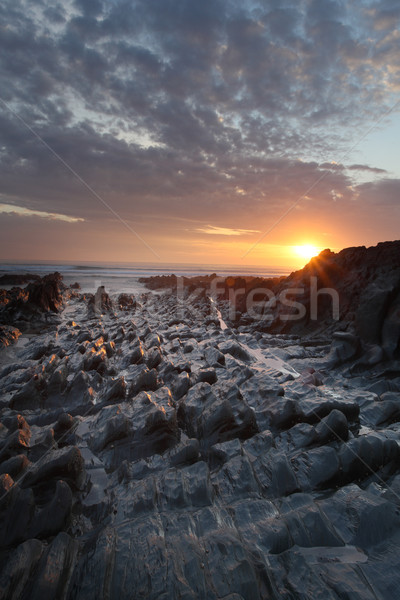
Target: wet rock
x,y
52,518
16,440
154,358
185,453
205,375
19,569
180,385
126,302
14,466
345,346
55,568
214,357
316,468
95,360
8,335
275,474
137,355
79,396
66,463
364,456
235,350
31,395
146,381
16,512
334,426
100,303
116,391
216,418
46,294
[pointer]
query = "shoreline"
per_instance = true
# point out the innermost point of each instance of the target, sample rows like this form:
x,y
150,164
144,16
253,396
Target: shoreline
x,y
141,434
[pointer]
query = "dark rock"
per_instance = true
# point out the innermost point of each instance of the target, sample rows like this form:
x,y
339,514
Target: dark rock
x,y
344,347
99,303
66,463
52,518
180,385
14,466
116,391
19,569
137,355
235,350
31,395
334,426
46,294
126,302
216,418
154,358
214,357
8,335
146,381
205,375
374,304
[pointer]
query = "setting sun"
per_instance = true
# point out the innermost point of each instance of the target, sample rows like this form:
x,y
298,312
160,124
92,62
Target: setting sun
x,y
306,251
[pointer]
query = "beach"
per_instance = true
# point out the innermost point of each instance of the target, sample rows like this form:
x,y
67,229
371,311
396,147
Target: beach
x,y
155,444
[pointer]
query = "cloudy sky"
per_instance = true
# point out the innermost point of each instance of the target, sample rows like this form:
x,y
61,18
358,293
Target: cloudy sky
x,y
209,131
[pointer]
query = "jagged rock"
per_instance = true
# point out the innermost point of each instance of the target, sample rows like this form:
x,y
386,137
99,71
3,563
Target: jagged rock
x,y
153,358
14,466
79,395
214,357
344,347
95,360
180,385
99,303
371,312
126,302
8,335
146,381
19,569
390,335
116,391
31,395
235,350
65,463
16,440
205,375
185,453
362,457
51,519
333,426
55,568
213,418
46,294
137,355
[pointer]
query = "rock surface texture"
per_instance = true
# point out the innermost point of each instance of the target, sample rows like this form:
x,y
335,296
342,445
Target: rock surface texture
x,y
147,450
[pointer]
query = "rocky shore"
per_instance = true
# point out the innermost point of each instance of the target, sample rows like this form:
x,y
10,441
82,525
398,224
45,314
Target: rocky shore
x,y
180,445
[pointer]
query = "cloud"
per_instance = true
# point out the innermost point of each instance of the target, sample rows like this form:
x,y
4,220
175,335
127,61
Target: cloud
x,y
366,168
211,230
26,212
186,109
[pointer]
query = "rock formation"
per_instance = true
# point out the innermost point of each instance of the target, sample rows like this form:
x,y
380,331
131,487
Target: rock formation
x,y
148,452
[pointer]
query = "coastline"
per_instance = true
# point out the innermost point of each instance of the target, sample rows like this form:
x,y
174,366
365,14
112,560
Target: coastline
x,y
160,436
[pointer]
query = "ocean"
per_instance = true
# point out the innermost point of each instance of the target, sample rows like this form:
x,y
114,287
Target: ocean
x,y
123,277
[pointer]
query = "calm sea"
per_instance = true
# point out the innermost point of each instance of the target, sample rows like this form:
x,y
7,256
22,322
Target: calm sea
x,y
124,277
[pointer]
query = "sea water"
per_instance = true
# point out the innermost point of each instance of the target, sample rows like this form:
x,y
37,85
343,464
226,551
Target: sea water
x,y
123,277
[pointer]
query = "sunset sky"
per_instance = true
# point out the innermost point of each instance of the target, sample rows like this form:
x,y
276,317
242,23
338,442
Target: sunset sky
x,y
197,131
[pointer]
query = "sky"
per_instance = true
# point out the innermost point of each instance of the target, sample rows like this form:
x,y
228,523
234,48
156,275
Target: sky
x,y
220,131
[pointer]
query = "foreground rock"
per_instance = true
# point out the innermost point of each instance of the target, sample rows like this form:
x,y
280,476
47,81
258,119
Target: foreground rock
x,y
145,452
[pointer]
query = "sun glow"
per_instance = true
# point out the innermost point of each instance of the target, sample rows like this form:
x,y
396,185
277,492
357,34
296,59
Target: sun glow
x,y
306,251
